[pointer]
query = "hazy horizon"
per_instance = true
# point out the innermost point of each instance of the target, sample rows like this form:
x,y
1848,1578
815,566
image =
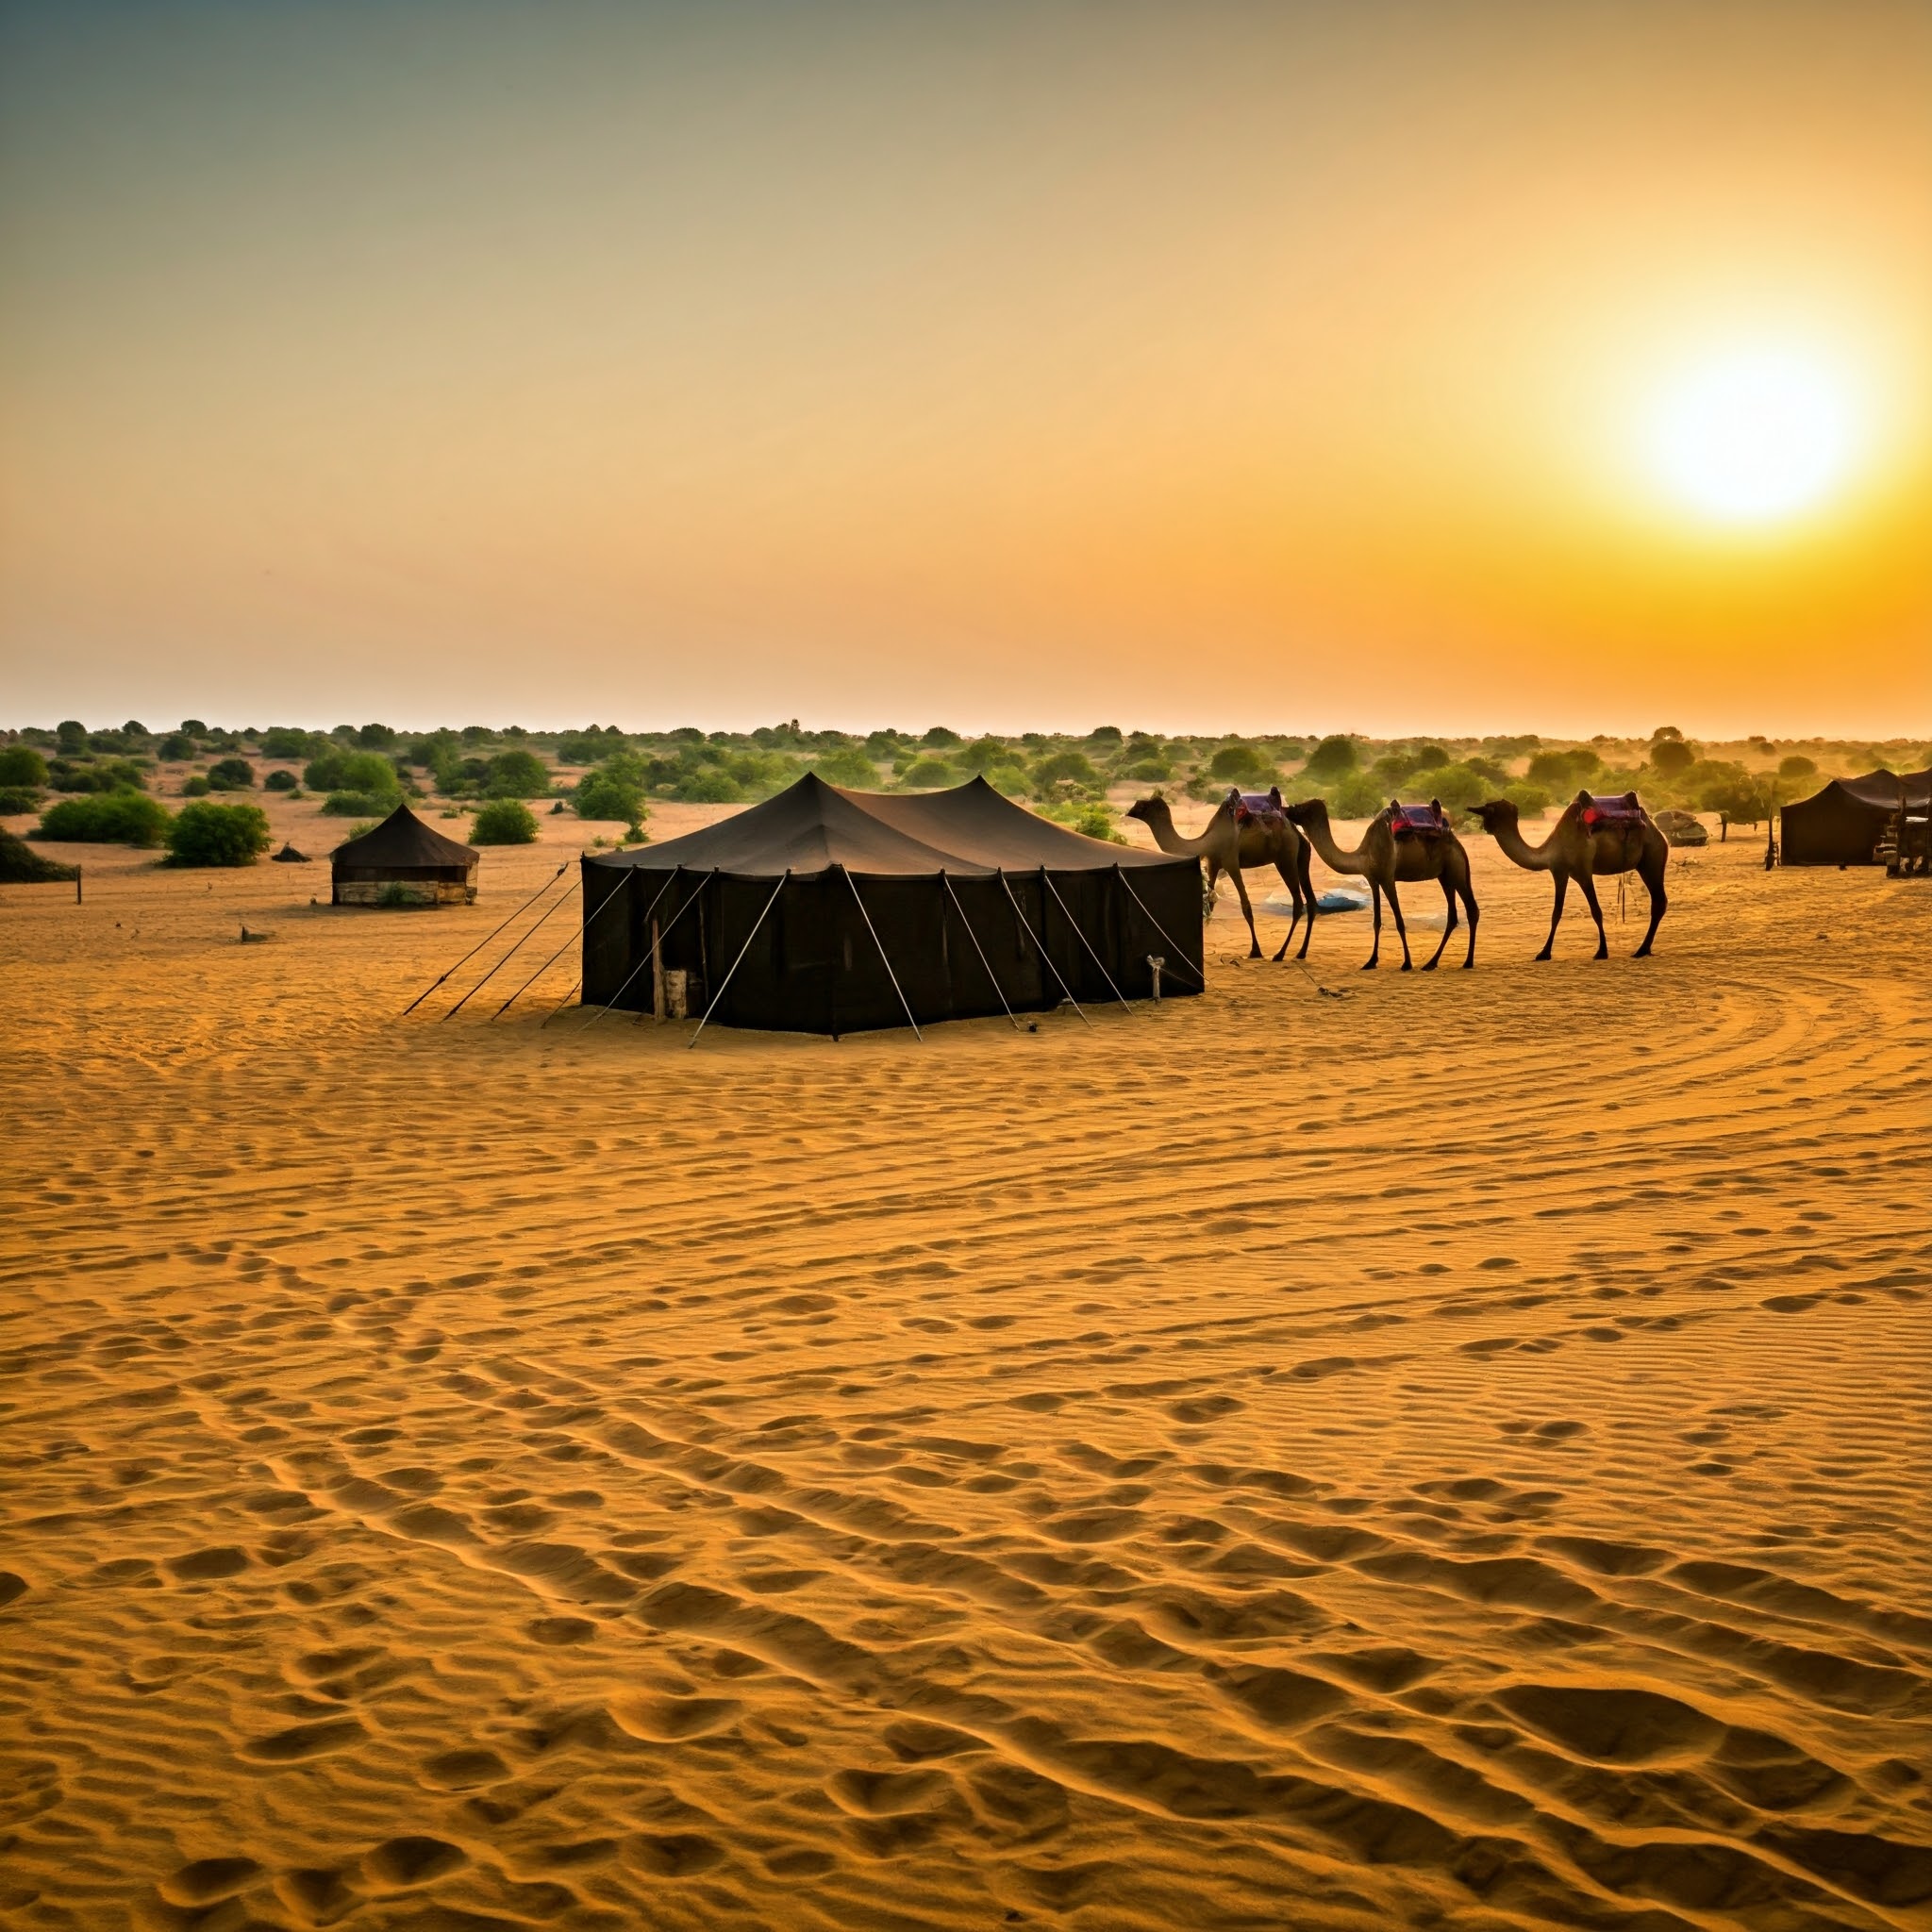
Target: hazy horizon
x,y
1242,369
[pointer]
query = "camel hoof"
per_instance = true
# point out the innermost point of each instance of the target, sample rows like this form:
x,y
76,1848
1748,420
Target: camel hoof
x,y
1642,953
1544,956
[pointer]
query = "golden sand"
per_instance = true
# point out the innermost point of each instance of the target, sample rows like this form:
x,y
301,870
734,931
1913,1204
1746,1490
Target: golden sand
x,y
1453,1454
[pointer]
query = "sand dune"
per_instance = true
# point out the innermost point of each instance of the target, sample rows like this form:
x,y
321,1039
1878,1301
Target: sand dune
x,y
1450,1454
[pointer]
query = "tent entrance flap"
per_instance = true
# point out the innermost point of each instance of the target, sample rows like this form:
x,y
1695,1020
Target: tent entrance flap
x,y
907,909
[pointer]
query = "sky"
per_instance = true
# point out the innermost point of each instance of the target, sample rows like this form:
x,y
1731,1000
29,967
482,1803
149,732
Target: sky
x,y
1402,366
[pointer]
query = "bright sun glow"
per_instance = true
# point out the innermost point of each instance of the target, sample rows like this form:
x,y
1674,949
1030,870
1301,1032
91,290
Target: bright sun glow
x,y
1754,436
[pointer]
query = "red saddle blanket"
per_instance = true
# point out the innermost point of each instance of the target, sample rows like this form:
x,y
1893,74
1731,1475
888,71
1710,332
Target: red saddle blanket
x,y
1416,821
1251,805
1612,811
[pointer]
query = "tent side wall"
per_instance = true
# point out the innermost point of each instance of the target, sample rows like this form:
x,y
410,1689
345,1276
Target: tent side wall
x,y
423,885
1832,828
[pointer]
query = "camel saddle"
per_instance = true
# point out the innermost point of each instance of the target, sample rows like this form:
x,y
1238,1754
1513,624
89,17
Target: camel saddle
x,y
1256,807
1612,811
1416,821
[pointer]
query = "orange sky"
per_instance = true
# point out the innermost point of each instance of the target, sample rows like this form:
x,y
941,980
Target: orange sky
x,y
1255,367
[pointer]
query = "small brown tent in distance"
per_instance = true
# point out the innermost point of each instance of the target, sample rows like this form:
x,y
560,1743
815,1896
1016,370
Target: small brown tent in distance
x,y
1843,824
402,862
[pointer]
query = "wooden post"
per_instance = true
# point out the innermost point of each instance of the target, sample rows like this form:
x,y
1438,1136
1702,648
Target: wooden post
x,y
76,885
657,974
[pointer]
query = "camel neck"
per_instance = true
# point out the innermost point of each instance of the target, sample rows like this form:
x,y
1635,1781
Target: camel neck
x,y
1331,855
1519,851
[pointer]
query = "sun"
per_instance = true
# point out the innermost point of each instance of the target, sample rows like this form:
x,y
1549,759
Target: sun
x,y
1754,434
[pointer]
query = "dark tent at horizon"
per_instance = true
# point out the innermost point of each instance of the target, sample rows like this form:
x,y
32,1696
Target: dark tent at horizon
x,y
1843,824
824,910
402,861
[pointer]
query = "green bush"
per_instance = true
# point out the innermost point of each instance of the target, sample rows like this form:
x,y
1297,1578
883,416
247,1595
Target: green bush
x,y
1723,787
607,793
377,738
18,798
986,755
1529,800
1671,758
196,787
1334,758
218,835
1096,821
290,741
175,749
710,786
107,818
1564,771
939,738
503,822
847,766
280,781
1154,771
1240,764
231,775
1797,766
1356,796
21,865
360,805
1065,767
70,736
366,771
1008,779
21,764
517,775
928,775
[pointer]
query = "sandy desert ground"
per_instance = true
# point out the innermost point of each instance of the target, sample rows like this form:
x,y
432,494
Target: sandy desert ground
x,y
1448,1456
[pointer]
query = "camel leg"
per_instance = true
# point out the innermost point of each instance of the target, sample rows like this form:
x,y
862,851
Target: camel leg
x,y
1401,930
1562,879
1247,911
1587,885
1376,952
1448,924
1294,892
1468,891
1654,885
1305,874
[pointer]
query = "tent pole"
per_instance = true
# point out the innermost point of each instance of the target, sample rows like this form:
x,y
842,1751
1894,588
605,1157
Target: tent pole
x,y
741,952
887,963
1156,924
1039,948
484,941
1047,881
583,928
677,874
976,946
512,953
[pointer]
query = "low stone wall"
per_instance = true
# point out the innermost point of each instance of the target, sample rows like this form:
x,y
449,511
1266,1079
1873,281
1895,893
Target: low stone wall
x,y
405,893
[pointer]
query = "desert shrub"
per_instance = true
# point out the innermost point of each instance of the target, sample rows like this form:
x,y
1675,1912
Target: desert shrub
x,y
231,775
1240,764
378,737
1096,821
985,755
517,775
175,748
107,818
1148,771
21,764
363,771
222,835
21,865
1529,800
1511,746
394,894
580,749
290,742
196,787
709,785
1671,758
280,781
878,744
1334,758
1722,787
848,766
1008,779
360,805
939,738
70,736
1797,766
503,822
611,791
195,727
1356,796
1564,771
928,775
1454,785
1065,768
18,798
102,775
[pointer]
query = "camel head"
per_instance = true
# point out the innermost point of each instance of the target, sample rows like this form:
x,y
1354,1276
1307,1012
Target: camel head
x,y
1148,809
1495,813
1309,811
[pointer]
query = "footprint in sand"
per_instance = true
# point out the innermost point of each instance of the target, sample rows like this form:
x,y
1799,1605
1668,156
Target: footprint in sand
x,y
674,1719
304,1740
208,1880
398,1863
464,1770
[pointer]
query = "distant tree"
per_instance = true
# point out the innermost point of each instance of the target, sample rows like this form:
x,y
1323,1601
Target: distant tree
x,y
1797,766
1355,795
281,781
289,742
580,748
193,727
363,771
503,822
21,764
1103,733
1671,758
107,818
1065,768
878,744
175,749
1334,758
134,728
1665,731
938,737
196,787
218,835
711,785
376,737
615,790
928,775
517,775
71,734
231,775
847,766
1240,764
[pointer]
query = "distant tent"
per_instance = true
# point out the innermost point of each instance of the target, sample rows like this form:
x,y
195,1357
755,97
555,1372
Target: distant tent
x,y
403,861
1843,824
288,856
824,910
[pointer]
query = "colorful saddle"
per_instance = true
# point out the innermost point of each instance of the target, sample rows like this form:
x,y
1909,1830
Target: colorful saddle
x,y
1417,821
1263,806
1612,811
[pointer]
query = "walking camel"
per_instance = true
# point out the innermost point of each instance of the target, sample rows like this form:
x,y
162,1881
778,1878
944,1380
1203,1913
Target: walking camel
x,y
1594,839
1241,834
1405,844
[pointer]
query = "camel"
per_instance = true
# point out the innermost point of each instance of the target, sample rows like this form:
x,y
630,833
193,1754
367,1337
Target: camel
x,y
1227,844
1576,849
1385,856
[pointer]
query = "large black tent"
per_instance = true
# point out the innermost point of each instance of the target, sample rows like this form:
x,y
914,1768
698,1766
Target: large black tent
x,y
824,910
403,861
1841,825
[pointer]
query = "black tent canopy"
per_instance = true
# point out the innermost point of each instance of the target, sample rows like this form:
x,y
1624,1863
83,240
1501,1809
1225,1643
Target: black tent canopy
x,y
403,856
824,910
1841,825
